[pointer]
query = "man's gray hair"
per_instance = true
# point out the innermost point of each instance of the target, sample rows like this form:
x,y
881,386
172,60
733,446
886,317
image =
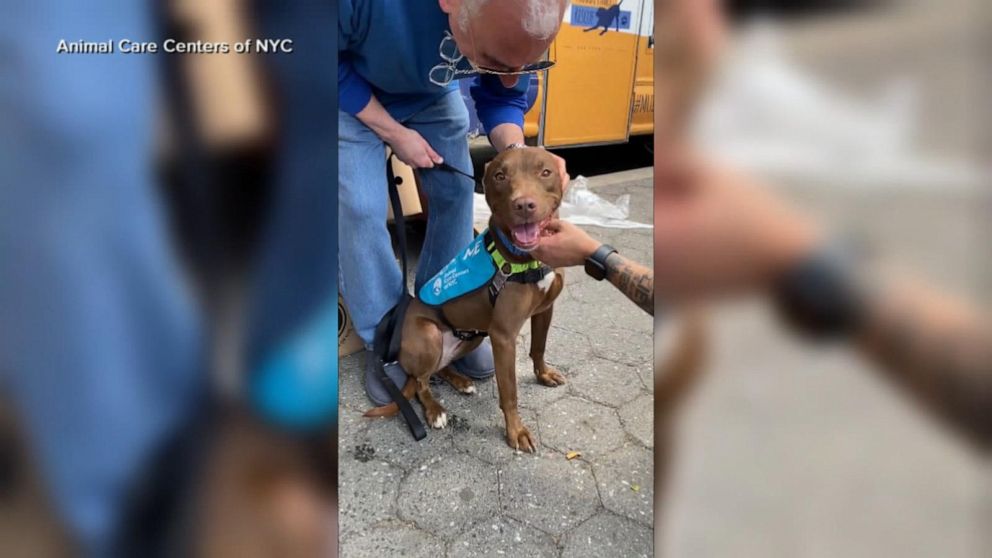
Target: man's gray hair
x,y
540,18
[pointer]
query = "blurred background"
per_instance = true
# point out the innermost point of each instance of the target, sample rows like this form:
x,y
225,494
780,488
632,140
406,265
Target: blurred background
x,y
168,368
874,118
165,256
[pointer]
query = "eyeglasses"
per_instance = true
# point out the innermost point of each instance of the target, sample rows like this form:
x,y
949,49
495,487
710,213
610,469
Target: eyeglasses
x,y
444,73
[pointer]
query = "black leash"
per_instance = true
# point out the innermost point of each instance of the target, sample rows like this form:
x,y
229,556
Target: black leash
x,y
449,168
389,331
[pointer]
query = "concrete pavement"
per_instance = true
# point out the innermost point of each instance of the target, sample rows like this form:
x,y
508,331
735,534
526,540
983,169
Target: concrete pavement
x,y
462,492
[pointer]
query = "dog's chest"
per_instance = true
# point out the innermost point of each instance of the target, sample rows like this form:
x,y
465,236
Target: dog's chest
x,y
545,283
450,348
453,348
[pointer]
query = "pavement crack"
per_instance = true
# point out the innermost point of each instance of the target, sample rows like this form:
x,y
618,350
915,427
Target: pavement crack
x,y
499,490
599,494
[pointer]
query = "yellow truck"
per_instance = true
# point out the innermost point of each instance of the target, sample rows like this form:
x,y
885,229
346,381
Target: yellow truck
x,y
601,90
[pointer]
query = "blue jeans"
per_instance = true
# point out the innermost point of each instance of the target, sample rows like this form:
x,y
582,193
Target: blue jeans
x,y
291,348
368,275
100,342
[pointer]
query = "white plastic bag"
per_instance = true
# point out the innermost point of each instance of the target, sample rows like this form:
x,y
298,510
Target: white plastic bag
x,y
582,206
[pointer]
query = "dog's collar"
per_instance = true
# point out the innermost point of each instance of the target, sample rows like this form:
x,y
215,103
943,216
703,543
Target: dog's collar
x,y
504,265
510,247
531,271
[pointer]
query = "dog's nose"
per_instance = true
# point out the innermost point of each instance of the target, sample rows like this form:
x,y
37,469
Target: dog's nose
x,y
525,204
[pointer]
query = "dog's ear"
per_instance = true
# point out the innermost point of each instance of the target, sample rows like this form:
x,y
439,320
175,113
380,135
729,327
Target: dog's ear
x,y
485,175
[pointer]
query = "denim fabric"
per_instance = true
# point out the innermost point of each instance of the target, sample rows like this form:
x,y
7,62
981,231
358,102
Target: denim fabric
x,y
99,338
369,277
292,348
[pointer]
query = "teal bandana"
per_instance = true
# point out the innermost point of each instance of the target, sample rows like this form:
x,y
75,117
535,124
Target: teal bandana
x,y
473,269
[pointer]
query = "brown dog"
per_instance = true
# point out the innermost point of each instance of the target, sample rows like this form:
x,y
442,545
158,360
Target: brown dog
x,y
523,190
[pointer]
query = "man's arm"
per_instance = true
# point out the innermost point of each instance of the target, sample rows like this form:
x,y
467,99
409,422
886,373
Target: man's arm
x,y
505,135
501,111
930,346
356,98
634,280
354,92
936,349
565,244
725,239
408,144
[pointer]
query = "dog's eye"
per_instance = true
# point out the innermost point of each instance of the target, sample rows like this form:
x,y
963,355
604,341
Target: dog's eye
x,y
545,173
501,176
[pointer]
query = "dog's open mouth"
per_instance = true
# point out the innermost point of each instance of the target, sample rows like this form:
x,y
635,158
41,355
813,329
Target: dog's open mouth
x,y
528,235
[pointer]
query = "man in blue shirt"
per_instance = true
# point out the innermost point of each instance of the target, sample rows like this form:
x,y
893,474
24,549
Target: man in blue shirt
x,y
399,62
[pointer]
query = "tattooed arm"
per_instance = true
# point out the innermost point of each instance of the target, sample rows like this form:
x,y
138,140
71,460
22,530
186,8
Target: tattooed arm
x,y
937,350
634,280
933,348
565,245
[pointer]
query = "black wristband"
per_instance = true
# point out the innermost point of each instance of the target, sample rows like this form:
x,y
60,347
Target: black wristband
x,y
596,263
823,296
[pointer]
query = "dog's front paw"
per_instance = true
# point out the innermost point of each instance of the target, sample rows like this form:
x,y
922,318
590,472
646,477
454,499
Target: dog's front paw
x,y
550,377
437,418
521,439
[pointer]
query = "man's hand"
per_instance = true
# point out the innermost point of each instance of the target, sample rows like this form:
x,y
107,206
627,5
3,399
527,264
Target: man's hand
x,y
564,245
407,144
411,148
508,134
718,232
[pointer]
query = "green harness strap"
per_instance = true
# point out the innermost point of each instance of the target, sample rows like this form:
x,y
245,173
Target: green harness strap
x,y
527,272
501,262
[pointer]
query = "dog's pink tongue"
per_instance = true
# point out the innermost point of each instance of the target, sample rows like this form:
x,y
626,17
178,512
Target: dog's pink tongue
x,y
526,234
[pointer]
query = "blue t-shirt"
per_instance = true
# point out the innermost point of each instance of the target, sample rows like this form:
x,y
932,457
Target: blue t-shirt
x,y
387,48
